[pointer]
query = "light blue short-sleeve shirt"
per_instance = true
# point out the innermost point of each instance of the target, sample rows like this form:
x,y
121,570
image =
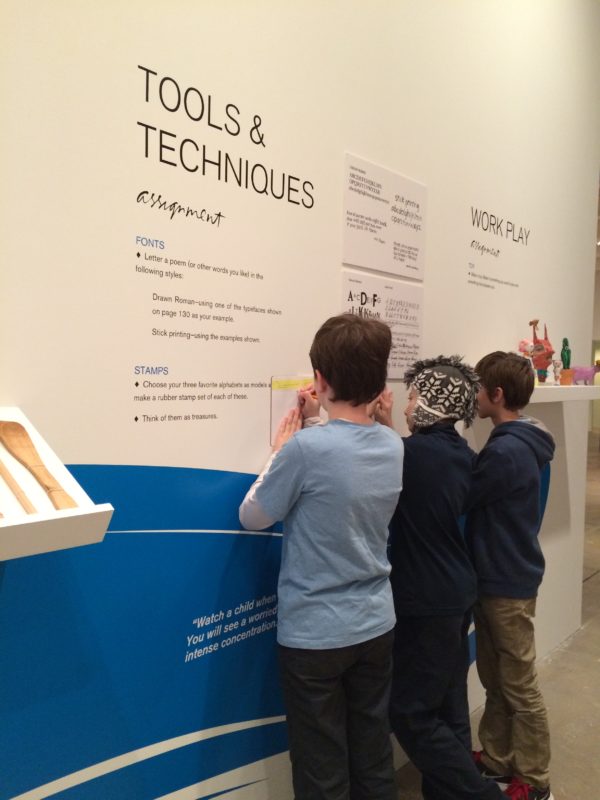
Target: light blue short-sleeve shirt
x,y
335,487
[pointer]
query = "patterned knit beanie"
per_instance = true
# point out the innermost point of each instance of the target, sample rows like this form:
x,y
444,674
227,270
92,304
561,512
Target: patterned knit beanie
x,y
447,390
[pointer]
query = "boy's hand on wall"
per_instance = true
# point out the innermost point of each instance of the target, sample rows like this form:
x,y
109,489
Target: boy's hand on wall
x,y
381,408
288,426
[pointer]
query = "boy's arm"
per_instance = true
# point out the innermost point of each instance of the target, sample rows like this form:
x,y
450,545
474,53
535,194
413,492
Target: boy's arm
x,y
252,515
493,473
277,487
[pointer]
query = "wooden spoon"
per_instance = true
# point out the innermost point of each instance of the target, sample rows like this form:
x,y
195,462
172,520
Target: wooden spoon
x,y
16,489
18,443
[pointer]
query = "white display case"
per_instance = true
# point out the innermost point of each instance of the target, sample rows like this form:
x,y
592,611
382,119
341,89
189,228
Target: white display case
x,y
30,523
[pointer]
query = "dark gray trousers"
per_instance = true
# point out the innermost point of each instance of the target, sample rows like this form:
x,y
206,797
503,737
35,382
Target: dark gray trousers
x,y
337,714
429,711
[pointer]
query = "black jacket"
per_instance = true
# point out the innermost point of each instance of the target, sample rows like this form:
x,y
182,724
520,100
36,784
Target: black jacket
x,y
432,573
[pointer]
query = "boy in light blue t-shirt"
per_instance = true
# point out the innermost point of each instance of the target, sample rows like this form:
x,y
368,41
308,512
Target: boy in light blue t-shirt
x,y
335,486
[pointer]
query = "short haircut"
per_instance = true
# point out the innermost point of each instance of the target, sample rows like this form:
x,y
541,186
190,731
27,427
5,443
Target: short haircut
x,y
511,373
351,353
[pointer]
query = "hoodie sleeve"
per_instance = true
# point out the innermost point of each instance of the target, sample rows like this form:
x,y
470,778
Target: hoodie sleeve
x,y
494,470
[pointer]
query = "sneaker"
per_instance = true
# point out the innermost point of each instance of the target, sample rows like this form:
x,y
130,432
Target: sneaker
x,y
490,774
519,790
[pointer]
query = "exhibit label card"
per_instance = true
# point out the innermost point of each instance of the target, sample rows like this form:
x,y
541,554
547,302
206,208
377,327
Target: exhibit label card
x,y
384,219
398,304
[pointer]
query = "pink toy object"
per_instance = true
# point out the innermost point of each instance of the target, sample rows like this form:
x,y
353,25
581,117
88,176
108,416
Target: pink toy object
x,y
585,374
542,352
526,347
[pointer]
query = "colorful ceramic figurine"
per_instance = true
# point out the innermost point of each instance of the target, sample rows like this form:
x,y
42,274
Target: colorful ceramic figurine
x,y
585,375
526,349
557,366
542,351
565,354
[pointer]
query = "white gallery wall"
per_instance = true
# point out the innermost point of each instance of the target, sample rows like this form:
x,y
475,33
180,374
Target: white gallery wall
x,y
171,237
596,325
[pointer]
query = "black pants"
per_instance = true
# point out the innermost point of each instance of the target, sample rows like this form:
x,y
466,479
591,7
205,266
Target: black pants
x,y
429,711
337,714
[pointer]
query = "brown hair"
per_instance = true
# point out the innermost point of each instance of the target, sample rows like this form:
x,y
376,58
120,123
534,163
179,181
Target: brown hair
x,y
351,353
511,373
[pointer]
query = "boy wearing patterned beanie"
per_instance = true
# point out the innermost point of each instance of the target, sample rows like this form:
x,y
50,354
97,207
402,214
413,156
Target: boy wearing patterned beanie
x,y
434,583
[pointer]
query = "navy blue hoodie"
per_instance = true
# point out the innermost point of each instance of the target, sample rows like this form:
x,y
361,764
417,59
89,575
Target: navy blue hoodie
x,y
504,509
432,574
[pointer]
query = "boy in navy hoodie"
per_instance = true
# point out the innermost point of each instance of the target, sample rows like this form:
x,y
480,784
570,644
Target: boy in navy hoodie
x,y
434,582
502,532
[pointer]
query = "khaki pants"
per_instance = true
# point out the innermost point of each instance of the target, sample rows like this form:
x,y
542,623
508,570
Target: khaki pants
x,y
514,727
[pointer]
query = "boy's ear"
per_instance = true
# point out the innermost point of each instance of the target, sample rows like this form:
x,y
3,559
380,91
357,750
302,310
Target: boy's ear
x,y
497,396
321,384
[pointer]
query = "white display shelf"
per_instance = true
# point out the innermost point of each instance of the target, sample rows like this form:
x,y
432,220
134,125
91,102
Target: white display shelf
x,y
548,393
48,529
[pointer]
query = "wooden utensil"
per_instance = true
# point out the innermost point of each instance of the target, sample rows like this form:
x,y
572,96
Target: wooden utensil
x,y
16,489
18,443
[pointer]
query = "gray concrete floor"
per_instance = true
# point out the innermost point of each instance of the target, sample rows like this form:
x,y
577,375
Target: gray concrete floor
x,y
569,677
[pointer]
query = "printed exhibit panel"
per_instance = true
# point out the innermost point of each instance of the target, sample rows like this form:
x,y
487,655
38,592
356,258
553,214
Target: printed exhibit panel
x,y
172,228
398,304
384,219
